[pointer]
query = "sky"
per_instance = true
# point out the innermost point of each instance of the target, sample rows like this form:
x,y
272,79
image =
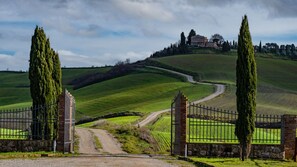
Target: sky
x,y
102,32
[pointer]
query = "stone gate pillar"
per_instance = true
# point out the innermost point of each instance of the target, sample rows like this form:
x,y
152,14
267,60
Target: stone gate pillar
x,y
288,136
66,123
180,136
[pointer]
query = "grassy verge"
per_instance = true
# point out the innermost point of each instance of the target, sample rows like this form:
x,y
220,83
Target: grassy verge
x,y
235,162
123,120
8,155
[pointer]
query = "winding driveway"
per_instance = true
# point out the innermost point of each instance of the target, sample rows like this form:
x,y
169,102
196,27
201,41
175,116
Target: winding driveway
x,y
220,89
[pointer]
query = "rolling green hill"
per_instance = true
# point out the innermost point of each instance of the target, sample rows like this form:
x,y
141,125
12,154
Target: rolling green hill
x,y
15,86
277,79
145,90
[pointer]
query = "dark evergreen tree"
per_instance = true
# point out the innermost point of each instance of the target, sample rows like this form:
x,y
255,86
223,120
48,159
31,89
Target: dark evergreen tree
x,y
260,47
192,33
226,46
45,84
246,83
182,45
293,48
182,39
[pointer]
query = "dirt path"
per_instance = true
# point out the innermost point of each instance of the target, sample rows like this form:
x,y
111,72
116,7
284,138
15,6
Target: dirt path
x,y
220,89
97,161
86,143
109,143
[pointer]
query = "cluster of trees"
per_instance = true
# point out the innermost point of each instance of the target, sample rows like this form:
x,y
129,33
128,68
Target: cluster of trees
x,y
45,85
226,46
282,50
181,47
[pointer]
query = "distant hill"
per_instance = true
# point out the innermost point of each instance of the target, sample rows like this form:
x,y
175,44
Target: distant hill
x,y
277,79
144,90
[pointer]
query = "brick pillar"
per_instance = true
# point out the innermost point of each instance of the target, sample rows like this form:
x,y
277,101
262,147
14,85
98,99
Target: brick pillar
x,y
180,124
288,135
61,122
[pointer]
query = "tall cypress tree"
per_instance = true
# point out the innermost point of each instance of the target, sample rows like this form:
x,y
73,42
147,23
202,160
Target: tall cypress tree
x,y
45,85
182,45
246,83
260,47
191,33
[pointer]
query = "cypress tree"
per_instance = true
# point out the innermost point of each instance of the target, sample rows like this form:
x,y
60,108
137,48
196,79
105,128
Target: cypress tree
x,y
260,47
45,85
192,33
246,80
182,45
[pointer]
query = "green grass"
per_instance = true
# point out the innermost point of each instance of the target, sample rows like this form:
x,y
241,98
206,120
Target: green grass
x,y
277,79
124,120
145,90
138,92
72,73
235,162
221,68
163,139
12,134
211,131
15,86
161,131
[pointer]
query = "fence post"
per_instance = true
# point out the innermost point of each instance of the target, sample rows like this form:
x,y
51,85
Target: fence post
x,y
180,124
288,135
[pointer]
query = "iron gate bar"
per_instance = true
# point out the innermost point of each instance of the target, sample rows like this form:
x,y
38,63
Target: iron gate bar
x,y
207,124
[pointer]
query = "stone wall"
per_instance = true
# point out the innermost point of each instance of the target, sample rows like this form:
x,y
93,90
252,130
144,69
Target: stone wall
x,y
232,150
25,145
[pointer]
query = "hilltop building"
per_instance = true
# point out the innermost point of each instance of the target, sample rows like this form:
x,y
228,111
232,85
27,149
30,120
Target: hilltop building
x,y
202,42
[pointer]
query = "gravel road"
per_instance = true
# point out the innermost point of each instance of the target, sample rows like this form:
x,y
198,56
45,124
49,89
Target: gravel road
x,y
86,143
98,161
220,89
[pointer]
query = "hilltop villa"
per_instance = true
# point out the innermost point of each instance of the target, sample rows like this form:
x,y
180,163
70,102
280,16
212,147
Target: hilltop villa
x,y
202,41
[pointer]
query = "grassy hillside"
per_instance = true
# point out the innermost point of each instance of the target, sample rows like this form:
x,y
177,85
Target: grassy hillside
x,y
144,92
15,86
277,79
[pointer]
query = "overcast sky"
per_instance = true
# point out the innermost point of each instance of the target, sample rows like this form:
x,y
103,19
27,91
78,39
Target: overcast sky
x,y
102,32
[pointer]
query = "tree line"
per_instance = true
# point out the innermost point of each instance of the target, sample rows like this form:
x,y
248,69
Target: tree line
x,y
288,50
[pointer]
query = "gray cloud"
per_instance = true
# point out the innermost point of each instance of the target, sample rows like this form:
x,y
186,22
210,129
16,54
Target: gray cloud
x,y
277,8
105,31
